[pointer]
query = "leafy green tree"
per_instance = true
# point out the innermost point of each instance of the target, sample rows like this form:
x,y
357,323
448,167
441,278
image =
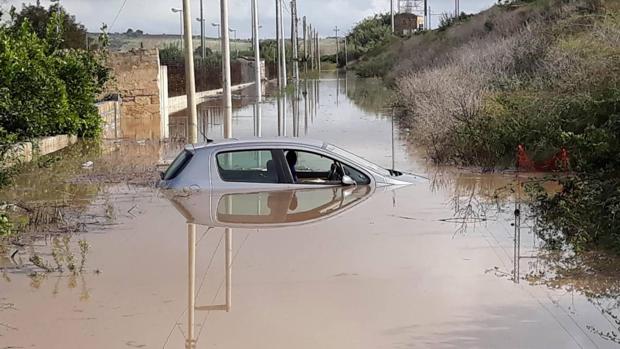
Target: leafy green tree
x,y
370,33
73,33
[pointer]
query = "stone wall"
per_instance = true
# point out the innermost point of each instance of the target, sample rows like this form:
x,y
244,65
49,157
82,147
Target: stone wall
x,y
110,112
135,79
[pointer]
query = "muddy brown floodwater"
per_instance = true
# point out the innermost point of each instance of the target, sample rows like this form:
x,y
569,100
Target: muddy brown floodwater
x,y
432,265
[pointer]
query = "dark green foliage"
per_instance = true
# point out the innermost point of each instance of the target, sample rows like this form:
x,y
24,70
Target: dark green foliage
x,y
585,214
171,52
73,34
46,87
368,34
33,99
44,94
5,225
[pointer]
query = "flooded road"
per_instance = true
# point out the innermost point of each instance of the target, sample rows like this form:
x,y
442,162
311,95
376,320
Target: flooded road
x,y
432,265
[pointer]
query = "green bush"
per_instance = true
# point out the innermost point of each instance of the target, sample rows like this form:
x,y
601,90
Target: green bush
x,y
5,225
33,99
47,91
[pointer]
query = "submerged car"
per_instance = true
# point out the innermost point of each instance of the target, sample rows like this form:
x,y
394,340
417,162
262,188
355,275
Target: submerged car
x,y
274,164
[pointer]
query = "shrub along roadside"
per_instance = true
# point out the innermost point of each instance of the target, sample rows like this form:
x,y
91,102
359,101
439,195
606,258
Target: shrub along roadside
x,y
46,90
550,80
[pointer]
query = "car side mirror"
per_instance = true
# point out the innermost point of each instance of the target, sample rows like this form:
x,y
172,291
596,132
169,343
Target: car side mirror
x,y
346,180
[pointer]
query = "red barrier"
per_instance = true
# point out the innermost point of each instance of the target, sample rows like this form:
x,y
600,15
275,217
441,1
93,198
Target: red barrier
x,y
559,162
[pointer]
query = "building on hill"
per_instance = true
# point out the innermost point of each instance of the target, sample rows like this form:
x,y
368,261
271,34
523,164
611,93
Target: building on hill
x,y
407,23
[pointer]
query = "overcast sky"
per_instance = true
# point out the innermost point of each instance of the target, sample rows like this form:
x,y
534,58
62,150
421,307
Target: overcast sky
x,y
156,17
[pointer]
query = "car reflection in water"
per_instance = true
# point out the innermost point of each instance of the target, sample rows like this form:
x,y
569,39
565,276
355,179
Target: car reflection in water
x,y
268,209
255,210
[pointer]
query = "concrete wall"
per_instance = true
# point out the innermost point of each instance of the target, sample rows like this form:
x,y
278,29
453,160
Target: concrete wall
x,y
179,103
26,151
247,70
136,79
110,112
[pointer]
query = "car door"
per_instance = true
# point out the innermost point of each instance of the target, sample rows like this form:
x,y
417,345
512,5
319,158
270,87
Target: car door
x,y
256,168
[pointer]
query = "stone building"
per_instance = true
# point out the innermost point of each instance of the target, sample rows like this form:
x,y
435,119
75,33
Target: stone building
x,y
407,23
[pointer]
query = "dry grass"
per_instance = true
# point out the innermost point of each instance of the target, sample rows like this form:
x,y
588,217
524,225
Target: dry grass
x,y
445,82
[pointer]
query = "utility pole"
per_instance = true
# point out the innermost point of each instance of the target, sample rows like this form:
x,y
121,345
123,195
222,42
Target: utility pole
x,y
227,96
283,48
456,8
311,46
190,81
430,17
318,51
337,45
219,34
278,43
426,19
392,15
294,42
257,67
202,31
346,57
180,12
295,67
305,44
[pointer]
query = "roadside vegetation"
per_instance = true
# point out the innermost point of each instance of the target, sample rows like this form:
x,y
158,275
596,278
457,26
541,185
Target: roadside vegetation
x,y
544,74
49,83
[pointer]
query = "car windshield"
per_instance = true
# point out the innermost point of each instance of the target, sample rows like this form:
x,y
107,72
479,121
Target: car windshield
x,y
359,160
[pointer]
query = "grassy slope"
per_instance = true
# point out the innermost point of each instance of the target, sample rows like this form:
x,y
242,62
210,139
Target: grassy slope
x,y
541,73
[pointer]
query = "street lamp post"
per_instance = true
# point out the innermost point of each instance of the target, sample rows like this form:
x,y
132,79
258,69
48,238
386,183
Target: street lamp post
x,y
219,33
202,31
234,31
180,12
202,38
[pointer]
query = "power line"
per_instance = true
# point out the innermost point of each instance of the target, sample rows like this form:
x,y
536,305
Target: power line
x,y
117,14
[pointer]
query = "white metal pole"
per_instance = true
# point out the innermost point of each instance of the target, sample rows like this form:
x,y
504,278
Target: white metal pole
x,y
190,82
294,42
202,31
318,51
337,46
346,57
191,282
392,15
181,28
227,96
278,42
257,68
283,50
228,243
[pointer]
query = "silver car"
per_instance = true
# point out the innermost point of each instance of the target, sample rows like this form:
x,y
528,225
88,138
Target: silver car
x,y
273,164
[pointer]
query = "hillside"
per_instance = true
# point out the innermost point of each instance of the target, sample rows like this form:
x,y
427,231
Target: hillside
x,y
543,74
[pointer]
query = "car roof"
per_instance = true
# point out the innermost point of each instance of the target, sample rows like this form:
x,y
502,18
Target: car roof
x,y
252,141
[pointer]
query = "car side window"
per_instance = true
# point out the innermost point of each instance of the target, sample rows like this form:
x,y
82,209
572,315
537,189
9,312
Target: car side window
x,y
312,168
252,166
356,175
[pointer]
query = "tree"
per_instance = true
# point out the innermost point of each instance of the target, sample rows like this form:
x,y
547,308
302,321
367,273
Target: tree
x,y
73,33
